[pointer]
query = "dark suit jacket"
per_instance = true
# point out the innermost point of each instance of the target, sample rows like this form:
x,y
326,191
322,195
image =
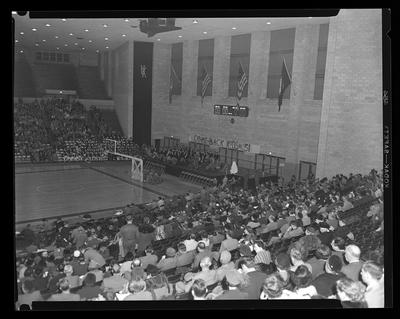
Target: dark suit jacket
x,y
129,233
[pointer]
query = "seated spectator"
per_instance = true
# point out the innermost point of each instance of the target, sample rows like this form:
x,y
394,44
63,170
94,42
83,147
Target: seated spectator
x,y
293,230
273,288
79,237
65,294
72,279
282,262
338,245
235,281
352,256
56,275
127,264
149,259
191,243
296,259
226,264
137,291
90,289
317,262
254,278
94,268
229,243
199,290
137,270
262,255
351,293
301,280
203,251
372,276
207,274
79,265
325,283
29,295
168,261
184,257
116,282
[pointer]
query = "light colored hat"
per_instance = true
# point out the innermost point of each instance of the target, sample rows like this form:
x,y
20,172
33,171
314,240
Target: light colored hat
x,y
77,253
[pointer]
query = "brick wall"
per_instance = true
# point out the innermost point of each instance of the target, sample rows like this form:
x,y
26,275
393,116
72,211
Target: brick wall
x,y
351,120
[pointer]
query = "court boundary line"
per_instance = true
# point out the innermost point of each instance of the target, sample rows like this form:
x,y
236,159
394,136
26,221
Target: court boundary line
x,y
128,182
49,171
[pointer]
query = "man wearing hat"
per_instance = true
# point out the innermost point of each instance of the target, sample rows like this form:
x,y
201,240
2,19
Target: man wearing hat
x,y
130,236
325,283
318,261
234,280
79,265
229,243
92,254
168,261
207,274
116,282
203,251
72,279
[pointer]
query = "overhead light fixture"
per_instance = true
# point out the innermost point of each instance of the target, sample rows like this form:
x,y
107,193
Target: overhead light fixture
x,y
44,40
158,39
126,20
83,48
268,22
13,12
64,20
56,36
106,47
195,21
106,39
34,29
233,28
179,36
21,51
86,30
97,51
65,45
57,48
90,41
36,44
76,43
16,40
124,35
21,32
71,34
204,32
48,25
105,25
310,17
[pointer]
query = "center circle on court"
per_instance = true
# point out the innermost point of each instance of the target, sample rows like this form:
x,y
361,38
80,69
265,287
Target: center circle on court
x,y
57,189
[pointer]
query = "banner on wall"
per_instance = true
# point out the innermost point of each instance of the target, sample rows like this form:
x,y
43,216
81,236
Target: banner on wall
x,y
219,142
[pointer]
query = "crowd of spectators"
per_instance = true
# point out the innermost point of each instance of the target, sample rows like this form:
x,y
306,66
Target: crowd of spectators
x,y
275,242
45,128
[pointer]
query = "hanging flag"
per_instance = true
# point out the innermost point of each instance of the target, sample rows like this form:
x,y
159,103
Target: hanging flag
x,y
171,82
206,80
242,81
284,83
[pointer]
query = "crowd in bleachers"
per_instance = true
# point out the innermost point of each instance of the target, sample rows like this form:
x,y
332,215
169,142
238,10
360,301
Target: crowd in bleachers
x,y
304,240
47,128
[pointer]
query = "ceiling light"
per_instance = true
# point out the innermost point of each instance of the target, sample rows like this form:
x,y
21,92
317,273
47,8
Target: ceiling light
x,y
71,34
204,32
65,45
48,25
21,33
64,20
179,36
86,30
34,29
268,22
106,39
44,40
90,41
106,47
195,21
124,35
126,20
158,39
310,17
13,12
76,43
83,48
57,48
21,51
56,36
97,51
233,28
36,44
105,25
16,40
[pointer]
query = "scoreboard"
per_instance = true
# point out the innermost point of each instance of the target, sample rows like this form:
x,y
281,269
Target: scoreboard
x,y
231,110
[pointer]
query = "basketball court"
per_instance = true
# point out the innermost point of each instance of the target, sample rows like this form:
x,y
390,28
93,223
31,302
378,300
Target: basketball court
x,y
71,189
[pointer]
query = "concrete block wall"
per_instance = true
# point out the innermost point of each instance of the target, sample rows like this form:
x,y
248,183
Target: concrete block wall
x,y
351,132
286,133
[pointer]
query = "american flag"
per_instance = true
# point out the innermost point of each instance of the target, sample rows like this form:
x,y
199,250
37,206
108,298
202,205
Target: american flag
x,y
171,82
242,81
206,80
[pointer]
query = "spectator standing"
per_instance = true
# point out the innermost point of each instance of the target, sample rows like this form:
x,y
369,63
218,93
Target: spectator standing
x,y
65,294
130,236
372,276
352,269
